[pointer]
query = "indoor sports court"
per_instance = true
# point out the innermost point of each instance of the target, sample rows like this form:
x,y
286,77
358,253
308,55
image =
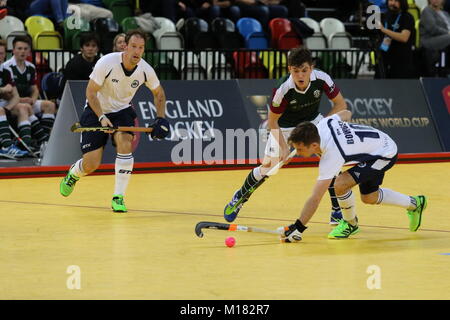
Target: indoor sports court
x,y
152,252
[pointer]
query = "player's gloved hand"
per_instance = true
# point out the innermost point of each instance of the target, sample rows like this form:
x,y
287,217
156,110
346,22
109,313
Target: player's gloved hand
x,y
105,122
292,233
161,128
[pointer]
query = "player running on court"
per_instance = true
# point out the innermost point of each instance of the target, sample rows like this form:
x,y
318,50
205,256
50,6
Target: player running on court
x,y
296,99
113,82
339,142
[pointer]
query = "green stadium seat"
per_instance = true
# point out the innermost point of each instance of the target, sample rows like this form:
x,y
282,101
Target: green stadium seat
x,y
129,23
121,9
71,29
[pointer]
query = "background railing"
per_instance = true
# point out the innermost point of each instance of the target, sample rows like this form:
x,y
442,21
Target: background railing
x,y
227,64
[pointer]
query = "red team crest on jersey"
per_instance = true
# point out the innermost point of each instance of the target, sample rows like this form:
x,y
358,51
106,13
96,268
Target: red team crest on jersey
x,y
446,96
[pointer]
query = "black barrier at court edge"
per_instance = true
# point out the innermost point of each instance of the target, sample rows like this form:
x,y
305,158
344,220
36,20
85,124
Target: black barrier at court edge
x,y
437,92
397,107
199,112
202,113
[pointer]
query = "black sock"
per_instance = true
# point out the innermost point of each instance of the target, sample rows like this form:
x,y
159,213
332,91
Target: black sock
x,y
47,124
37,131
25,132
334,201
5,135
249,182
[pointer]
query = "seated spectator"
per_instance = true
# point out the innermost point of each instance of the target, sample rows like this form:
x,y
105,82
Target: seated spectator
x,y
81,66
227,9
2,51
295,8
56,10
262,10
434,30
24,77
158,8
10,106
18,8
119,43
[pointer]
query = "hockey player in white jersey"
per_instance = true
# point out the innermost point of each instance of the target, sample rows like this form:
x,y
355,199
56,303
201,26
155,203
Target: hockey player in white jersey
x,y
113,83
373,152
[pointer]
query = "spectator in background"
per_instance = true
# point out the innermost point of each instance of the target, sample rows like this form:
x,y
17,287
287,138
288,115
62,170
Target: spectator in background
x,y
434,30
296,8
396,48
158,8
56,10
119,43
81,66
24,76
18,8
262,10
2,51
227,9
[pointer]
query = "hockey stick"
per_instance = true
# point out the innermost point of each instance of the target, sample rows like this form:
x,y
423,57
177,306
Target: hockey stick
x,y
23,143
248,193
229,227
76,127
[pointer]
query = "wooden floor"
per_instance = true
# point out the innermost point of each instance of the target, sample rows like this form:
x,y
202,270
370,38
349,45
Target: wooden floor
x,y
152,251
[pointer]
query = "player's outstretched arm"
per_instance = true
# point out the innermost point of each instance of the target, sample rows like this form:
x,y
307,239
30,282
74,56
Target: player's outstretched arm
x,y
345,115
339,104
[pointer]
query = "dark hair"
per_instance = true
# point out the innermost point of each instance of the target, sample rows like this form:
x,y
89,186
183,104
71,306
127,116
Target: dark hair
x,y
136,32
3,43
299,56
305,132
25,39
87,37
403,5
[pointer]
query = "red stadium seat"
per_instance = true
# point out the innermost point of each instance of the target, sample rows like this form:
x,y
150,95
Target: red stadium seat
x,y
248,65
277,27
289,40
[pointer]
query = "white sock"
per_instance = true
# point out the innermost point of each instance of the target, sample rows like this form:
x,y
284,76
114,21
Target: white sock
x,y
48,115
394,198
257,173
32,118
3,118
77,169
347,204
124,167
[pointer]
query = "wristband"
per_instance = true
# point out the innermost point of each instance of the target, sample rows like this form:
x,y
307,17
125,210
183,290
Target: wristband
x,y
101,117
300,227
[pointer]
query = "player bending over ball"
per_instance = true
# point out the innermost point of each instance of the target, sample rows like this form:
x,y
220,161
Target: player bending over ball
x,y
338,142
296,99
113,82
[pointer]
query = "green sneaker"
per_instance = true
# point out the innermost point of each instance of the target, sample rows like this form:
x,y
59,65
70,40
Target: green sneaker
x,y
415,216
343,230
117,203
67,184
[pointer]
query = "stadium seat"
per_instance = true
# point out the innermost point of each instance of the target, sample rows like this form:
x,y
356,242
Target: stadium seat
x,y
106,29
190,28
331,26
289,40
36,24
51,85
48,40
75,43
129,23
414,11
316,42
170,41
189,65
417,26
216,66
121,9
247,26
340,40
230,40
313,24
257,40
205,40
220,25
57,60
275,62
14,34
277,27
70,31
248,65
10,24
